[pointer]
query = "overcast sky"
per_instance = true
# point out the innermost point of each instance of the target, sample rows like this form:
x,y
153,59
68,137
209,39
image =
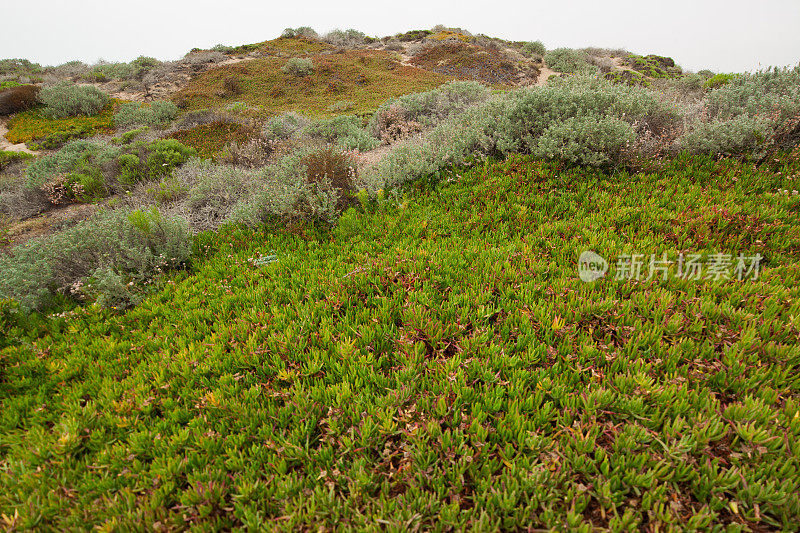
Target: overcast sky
x,y
723,35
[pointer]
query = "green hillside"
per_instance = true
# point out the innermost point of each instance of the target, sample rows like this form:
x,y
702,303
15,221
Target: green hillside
x,y
434,362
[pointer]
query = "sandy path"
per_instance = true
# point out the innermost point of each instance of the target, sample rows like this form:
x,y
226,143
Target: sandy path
x,y
5,145
544,75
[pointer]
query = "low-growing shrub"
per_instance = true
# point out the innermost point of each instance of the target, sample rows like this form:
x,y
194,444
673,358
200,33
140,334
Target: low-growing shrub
x,y
9,158
132,248
156,114
580,119
406,114
654,66
533,49
225,49
742,134
718,80
299,67
231,86
66,100
283,126
303,31
254,152
587,140
567,60
341,106
208,194
331,176
20,98
343,131
153,161
45,168
19,67
345,39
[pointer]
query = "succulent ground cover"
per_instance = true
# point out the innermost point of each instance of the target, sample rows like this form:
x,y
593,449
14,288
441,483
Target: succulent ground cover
x,y
434,362
210,139
33,126
366,78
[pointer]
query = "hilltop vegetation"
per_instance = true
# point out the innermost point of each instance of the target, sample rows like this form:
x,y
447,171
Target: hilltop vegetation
x,y
333,282
364,78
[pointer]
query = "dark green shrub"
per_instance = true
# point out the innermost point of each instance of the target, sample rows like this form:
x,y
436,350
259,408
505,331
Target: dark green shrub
x,y
131,169
165,155
414,35
152,161
87,185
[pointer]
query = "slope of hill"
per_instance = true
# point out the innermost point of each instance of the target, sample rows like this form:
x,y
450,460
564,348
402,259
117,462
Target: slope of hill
x,y
431,281
435,363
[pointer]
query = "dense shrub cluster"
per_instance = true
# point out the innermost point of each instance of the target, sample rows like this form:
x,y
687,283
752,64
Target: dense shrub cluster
x,y
533,49
567,60
19,67
408,113
284,126
109,259
303,32
345,38
156,114
67,100
105,71
581,120
344,131
84,170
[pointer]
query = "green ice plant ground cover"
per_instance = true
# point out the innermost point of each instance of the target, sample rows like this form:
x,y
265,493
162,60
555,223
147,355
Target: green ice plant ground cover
x,y
434,362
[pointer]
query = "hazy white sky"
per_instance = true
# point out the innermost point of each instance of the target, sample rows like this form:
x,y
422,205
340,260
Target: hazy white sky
x,y
723,35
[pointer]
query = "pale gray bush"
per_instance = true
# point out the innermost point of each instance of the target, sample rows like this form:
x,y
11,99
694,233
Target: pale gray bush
x,y
61,162
283,126
156,114
773,94
135,246
67,100
298,67
431,107
344,131
533,49
345,39
739,135
567,60
203,57
587,140
582,120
